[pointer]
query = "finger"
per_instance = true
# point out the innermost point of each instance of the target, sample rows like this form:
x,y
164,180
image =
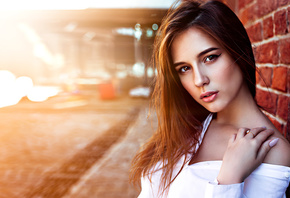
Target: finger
x,y
242,132
254,132
265,148
232,138
263,136
250,134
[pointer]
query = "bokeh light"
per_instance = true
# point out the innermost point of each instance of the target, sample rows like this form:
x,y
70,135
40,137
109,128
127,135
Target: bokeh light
x,y
23,85
42,93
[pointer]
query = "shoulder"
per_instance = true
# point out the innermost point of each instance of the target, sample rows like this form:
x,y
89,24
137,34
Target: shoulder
x,y
280,153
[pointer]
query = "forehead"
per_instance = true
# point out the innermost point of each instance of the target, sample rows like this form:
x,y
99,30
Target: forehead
x,y
191,41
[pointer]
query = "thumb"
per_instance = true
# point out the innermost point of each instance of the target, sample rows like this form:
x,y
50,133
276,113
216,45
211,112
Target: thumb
x,y
232,138
266,147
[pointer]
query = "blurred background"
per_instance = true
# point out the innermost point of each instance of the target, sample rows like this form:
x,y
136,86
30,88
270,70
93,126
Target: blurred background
x,y
73,46
75,82
75,78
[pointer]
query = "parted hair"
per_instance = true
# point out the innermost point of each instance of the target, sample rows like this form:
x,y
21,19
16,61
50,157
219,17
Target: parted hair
x,y
179,116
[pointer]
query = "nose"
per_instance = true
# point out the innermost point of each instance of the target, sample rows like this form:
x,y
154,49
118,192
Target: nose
x,y
200,78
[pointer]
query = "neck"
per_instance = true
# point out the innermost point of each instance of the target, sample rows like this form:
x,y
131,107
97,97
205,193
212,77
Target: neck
x,y
242,112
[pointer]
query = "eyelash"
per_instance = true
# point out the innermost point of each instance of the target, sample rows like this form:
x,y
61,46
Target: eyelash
x,y
214,56
182,68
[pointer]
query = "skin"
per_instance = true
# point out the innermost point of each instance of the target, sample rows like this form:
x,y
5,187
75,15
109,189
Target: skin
x,y
204,66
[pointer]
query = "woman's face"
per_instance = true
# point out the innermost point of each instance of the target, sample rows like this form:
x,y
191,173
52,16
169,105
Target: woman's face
x,y
206,70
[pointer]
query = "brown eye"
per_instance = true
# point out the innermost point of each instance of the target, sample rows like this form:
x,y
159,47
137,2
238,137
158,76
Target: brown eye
x,y
211,58
183,69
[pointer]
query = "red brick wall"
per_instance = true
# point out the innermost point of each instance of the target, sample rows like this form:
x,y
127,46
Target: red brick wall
x,y
267,23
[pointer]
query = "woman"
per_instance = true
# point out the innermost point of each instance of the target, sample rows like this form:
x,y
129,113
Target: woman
x,y
212,139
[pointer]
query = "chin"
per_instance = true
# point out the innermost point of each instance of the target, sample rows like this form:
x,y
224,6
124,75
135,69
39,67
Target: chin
x,y
213,108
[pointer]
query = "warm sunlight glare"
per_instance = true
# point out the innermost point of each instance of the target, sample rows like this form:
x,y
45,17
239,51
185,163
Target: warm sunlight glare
x,y
43,5
13,89
79,5
42,93
23,86
41,50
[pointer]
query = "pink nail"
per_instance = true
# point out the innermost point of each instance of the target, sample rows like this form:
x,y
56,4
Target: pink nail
x,y
273,142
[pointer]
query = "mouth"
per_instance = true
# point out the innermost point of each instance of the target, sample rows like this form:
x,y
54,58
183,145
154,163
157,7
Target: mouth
x,y
208,96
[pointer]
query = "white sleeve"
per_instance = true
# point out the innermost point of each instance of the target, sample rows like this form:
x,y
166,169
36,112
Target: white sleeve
x,y
223,191
272,185
146,188
262,183
150,189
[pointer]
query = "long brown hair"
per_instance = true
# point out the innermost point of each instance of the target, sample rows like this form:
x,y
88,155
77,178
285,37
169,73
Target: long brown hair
x,y
180,117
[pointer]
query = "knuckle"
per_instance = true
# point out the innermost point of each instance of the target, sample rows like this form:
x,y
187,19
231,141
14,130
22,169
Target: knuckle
x,y
241,130
269,131
258,129
254,143
266,148
265,133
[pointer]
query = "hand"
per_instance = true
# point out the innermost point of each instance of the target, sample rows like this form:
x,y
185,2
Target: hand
x,y
245,152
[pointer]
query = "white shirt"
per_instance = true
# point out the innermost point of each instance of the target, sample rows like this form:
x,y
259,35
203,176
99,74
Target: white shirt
x,y
197,180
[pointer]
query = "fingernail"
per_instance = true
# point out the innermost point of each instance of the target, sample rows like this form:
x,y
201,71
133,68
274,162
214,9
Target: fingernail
x,y
273,142
264,127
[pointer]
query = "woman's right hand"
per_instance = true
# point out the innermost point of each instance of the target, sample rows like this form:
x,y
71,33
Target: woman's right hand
x,y
246,150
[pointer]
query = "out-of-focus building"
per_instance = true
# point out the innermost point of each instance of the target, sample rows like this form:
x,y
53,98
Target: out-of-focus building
x,y
79,47
76,47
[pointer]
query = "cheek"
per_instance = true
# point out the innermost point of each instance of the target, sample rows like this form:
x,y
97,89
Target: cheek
x,y
225,69
190,87
232,78
230,75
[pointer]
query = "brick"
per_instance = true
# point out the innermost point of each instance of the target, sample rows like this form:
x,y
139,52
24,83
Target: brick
x,y
280,22
256,51
255,32
282,2
266,76
282,110
254,47
268,28
265,7
288,128
267,100
243,3
271,119
258,78
267,53
249,14
288,85
276,124
284,51
279,81
243,16
252,12
288,19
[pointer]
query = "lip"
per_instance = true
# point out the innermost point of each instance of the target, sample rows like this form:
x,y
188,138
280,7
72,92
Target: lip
x,y
208,96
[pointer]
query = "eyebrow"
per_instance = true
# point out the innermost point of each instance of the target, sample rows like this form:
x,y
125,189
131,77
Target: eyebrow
x,y
207,51
199,55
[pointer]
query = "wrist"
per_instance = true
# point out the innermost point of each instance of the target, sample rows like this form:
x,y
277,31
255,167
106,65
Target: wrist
x,y
230,180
